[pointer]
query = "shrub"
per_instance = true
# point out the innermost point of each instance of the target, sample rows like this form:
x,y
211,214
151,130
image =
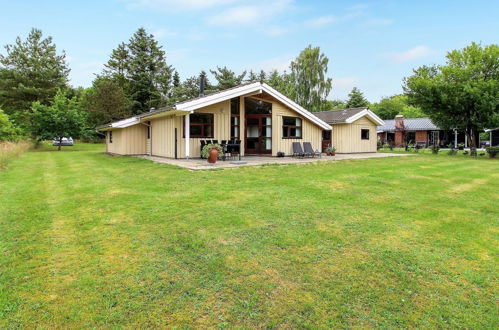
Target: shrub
x,y
434,149
8,132
205,152
11,150
386,146
465,152
492,151
451,151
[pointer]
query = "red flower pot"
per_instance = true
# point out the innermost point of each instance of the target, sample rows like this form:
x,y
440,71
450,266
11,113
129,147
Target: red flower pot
x,y
212,158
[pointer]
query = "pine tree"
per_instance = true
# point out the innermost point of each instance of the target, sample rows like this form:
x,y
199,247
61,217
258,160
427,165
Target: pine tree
x,y
189,88
227,78
356,99
251,76
31,71
150,77
118,65
176,79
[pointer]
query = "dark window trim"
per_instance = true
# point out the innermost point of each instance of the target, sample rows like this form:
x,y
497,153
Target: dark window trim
x,y
148,130
362,135
292,126
202,136
110,136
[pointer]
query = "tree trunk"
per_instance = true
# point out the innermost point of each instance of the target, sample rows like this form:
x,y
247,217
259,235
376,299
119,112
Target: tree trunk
x,y
472,141
60,143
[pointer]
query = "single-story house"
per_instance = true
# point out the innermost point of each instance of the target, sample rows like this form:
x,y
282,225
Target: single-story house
x,y
422,131
494,136
353,130
264,120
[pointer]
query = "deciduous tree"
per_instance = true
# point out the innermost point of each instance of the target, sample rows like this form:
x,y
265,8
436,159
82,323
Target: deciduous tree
x,y
62,118
308,74
463,93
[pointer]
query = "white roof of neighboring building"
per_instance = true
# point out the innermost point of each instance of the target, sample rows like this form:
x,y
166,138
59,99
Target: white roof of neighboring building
x,y
203,101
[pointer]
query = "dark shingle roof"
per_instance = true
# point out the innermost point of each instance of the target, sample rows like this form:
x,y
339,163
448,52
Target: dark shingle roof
x,y
410,124
338,116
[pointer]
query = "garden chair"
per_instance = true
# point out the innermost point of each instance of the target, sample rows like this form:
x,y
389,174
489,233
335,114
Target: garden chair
x,y
297,150
310,151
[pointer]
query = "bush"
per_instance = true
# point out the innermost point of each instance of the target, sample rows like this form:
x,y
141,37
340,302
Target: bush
x,y
11,150
451,151
434,149
466,152
492,151
8,132
205,152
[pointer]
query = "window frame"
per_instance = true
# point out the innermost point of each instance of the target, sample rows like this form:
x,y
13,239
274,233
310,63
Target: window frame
x,y
289,127
362,130
234,114
110,136
202,125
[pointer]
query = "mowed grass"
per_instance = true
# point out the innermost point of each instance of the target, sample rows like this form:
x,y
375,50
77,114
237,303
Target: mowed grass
x,y
90,240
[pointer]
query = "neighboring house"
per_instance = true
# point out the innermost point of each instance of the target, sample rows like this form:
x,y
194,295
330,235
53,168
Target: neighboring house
x,y
264,120
422,131
353,130
494,136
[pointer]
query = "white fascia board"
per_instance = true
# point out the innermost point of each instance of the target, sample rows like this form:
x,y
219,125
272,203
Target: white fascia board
x,y
218,97
295,106
125,122
367,113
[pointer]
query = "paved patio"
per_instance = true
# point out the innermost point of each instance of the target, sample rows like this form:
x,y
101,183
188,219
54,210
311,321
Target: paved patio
x,y
202,164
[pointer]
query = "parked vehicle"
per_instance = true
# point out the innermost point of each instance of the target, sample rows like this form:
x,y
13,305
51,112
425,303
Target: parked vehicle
x,y
484,144
65,141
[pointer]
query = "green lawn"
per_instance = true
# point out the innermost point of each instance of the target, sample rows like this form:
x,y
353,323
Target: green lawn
x,y
89,240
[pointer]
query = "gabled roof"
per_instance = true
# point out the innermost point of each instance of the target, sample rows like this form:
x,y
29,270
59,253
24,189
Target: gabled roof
x,y
227,94
348,116
410,124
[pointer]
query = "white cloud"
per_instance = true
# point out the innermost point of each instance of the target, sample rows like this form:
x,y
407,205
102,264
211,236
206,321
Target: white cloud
x,y
412,54
321,21
250,14
178,4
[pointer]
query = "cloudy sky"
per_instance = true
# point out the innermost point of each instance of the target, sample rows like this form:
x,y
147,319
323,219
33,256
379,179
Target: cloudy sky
x,y
371,44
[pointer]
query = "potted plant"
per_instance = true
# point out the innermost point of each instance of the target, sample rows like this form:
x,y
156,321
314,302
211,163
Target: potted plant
x,y
331,151
212,152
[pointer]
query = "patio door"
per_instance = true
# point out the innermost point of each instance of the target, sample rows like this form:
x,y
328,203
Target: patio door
x,y
258,134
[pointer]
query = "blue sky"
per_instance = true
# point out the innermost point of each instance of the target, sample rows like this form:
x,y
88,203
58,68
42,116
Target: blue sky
x,y
371,44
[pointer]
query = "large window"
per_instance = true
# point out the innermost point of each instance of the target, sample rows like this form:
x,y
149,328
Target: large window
x,y
235,118
201,125
364,134
291,128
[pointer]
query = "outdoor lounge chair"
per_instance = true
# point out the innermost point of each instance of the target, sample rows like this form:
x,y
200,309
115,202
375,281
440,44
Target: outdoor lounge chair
x,y
310,151
297,150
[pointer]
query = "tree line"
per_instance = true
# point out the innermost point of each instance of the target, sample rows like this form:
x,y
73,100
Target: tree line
x,y
36,99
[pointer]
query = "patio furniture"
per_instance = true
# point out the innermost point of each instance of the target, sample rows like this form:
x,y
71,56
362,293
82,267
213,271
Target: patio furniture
x,y
310,151
297,150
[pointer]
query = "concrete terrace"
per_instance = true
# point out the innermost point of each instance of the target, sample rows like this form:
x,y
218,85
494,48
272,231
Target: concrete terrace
x,y
202,164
